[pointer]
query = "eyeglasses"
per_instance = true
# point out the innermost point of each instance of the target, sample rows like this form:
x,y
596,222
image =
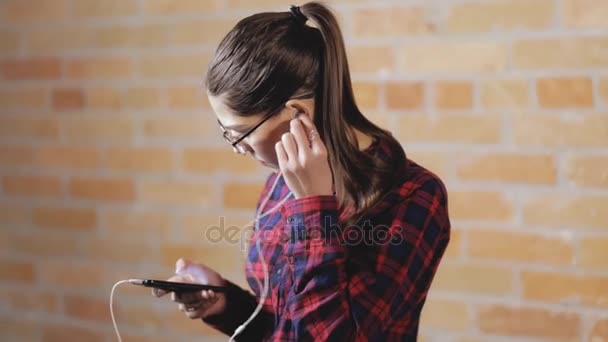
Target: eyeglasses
x,y
236,141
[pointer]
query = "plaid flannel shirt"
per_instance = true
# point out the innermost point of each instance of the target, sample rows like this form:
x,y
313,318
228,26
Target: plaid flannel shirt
x,y
365,283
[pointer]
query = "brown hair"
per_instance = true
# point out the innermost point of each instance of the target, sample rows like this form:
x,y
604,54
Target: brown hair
x,y
269,58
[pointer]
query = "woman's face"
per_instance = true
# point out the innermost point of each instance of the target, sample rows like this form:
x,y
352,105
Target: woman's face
x,y
259,143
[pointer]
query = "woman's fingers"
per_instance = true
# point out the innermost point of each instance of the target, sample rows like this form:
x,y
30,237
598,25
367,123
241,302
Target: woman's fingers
x,y
158,292
291,148
301,138
312,134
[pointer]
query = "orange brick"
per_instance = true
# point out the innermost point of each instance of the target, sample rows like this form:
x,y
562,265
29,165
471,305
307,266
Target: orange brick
x,y
174,323
184,97
224,161
13,214
87,129
567,210
599,331
19,329
169,7
243,4
142,98
60,333
16,155
473,278
103,189
44,186
560,53
143,337
9,41
103,97
575,130
229,230
464,57
140,315
23,127
173,66
564,92
404,95
225,258
180,127
454,250
531,248
136,224
110,8
588,170
66,157
70,275
19,12
44,244
603,90
17,272
366,59
205,32
140,159
87,308
378,117
454,95
65,218
31,69
67,99
21,98
242,195
445,315
500,15
35,301
99,68
475,129
585,13
122,252
50,41
366,94
508,167
178,193
482,205
505,93
437,162
390,21
594,253
565,288
528,322
145,36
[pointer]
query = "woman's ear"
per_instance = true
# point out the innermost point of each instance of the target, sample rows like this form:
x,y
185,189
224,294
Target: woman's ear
x,y
301,107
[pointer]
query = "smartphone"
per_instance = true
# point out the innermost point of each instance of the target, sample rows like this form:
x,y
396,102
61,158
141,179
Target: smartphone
x,y
170,286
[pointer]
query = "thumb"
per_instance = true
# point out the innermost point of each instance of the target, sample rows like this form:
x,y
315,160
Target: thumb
x,y
181,265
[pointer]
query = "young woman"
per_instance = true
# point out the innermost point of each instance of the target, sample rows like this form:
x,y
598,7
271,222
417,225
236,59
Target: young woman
x,y
349,232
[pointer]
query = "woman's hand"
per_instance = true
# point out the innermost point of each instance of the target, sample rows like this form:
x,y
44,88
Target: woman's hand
x,y
196,304
303,160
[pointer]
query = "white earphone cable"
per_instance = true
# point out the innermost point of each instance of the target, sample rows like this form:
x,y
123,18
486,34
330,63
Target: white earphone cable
x,y
258,216
265,291
126,281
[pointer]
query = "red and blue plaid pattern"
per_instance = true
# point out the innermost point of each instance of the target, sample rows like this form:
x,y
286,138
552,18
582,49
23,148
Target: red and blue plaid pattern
x,y
364,283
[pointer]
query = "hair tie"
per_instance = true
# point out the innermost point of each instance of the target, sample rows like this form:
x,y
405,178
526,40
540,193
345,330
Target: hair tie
x,y
297,14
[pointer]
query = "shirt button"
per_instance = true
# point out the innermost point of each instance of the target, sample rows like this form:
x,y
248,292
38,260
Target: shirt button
x,y
290,219
279,271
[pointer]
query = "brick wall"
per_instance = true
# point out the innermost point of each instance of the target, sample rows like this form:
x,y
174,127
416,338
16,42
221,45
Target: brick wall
x,y
106,138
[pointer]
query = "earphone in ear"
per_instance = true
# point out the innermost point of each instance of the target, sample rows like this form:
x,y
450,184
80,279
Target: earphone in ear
x,y
298,113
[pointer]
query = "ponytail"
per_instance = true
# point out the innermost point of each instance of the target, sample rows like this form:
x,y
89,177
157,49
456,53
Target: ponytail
x,y
360,180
